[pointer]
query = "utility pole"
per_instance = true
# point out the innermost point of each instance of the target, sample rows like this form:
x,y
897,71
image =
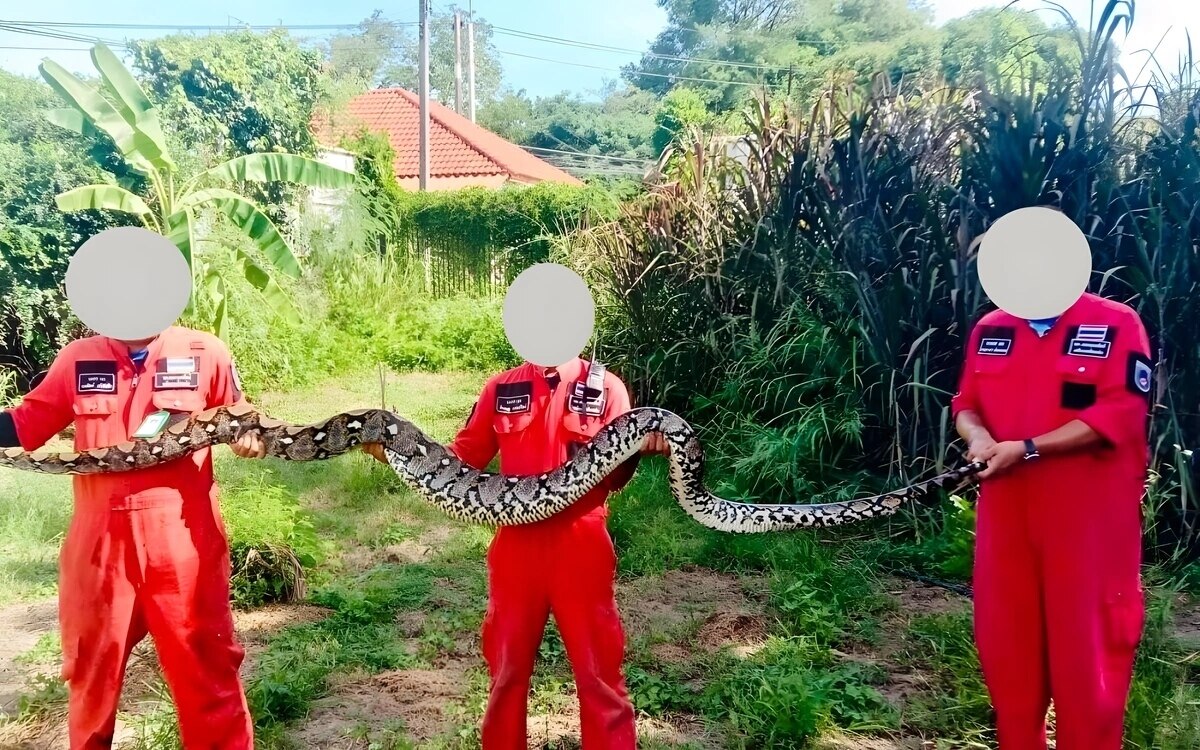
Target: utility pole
x,y
458,62
423,64
471,66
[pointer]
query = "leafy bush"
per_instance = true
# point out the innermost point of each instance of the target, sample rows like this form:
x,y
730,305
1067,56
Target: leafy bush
x,y
478,240
272,543
39,160
459,333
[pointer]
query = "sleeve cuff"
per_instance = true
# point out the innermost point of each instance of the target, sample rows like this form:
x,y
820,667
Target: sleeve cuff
x,y
1106,424
28,437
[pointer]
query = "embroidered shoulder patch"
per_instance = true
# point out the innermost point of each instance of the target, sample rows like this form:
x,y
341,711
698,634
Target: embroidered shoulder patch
x,y
1139,374
514,398
1090,341
995,341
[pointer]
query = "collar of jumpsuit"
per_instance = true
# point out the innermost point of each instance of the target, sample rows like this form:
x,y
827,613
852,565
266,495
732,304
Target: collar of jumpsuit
x,y
1042,325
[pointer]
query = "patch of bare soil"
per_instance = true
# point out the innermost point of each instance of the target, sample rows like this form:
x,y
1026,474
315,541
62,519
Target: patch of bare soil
x,y
744,633
364,706
431,542
678,598
854,742
560,730
22,625
912,600
25,623
1187,620
257,626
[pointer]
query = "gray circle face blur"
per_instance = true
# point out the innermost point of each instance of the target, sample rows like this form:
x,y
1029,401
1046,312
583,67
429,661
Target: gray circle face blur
x,y
549,314
1034,263
128,283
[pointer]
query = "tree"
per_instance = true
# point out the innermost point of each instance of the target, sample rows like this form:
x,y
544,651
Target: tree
x,y
38,161
488,71
620,124
231,94
732,48
995,45
360,59
120,109
680,109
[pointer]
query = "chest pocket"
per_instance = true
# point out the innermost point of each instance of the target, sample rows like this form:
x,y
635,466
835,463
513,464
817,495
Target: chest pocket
x,y
1079,380
992,365
97,421
511,424
181,400
513,408
583,417
94,405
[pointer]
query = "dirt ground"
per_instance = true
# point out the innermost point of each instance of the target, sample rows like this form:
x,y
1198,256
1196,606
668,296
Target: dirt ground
x,y
686,613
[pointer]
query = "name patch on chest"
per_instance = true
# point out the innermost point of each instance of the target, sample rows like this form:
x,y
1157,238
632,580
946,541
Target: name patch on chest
x,y
177,372
514,398
995,341
581,401
1090,341
95,377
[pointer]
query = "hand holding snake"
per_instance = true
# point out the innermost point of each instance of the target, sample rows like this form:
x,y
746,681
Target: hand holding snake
x,y
475,496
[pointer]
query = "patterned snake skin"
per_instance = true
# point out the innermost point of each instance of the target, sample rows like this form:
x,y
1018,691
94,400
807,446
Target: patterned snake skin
x,y
474,496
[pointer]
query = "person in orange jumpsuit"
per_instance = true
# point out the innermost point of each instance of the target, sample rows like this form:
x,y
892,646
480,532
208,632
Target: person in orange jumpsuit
x,y
535,417
146,551
1059,411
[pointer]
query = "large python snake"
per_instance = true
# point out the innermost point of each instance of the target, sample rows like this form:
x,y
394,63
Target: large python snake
x,y
474,496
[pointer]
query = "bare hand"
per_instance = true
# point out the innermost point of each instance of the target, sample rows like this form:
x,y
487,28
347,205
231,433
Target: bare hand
x,y
374,450
1001,457
249,445
656,444
978,446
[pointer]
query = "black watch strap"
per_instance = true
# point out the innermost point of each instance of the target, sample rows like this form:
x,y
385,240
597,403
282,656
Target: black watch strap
x,y
1030,450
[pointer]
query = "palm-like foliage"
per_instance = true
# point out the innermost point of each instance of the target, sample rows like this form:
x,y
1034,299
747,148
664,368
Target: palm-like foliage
x,y
120,108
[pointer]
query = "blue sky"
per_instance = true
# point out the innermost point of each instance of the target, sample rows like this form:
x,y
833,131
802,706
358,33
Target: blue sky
x,y
618,23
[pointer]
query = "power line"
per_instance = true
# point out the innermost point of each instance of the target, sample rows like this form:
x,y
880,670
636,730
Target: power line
x,y
5,26
584,153
635,72
47,49
606,48
200,27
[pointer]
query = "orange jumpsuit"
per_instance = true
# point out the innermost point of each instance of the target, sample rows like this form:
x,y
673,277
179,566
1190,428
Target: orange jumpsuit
x,y
565,564
146,550
1058,598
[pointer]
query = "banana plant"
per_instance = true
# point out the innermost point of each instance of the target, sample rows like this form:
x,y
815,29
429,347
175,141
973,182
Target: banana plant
x,y
120,108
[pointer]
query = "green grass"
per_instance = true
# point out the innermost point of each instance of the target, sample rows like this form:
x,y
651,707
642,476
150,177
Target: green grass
x,y
821,594
33,518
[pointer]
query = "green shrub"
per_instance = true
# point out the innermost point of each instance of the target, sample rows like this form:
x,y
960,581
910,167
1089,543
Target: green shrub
x,y
456,333
479,239
943,547
272,542
789,692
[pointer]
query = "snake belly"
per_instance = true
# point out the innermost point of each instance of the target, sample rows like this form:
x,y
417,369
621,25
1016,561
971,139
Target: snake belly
x,y
475,496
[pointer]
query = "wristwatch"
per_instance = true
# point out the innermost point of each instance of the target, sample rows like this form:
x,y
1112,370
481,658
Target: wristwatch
x,y
1031,451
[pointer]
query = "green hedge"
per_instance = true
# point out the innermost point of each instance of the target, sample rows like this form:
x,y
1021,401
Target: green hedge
x,y
480,239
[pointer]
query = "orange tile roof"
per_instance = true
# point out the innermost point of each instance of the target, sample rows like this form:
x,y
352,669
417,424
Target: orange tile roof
x,y
461,153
